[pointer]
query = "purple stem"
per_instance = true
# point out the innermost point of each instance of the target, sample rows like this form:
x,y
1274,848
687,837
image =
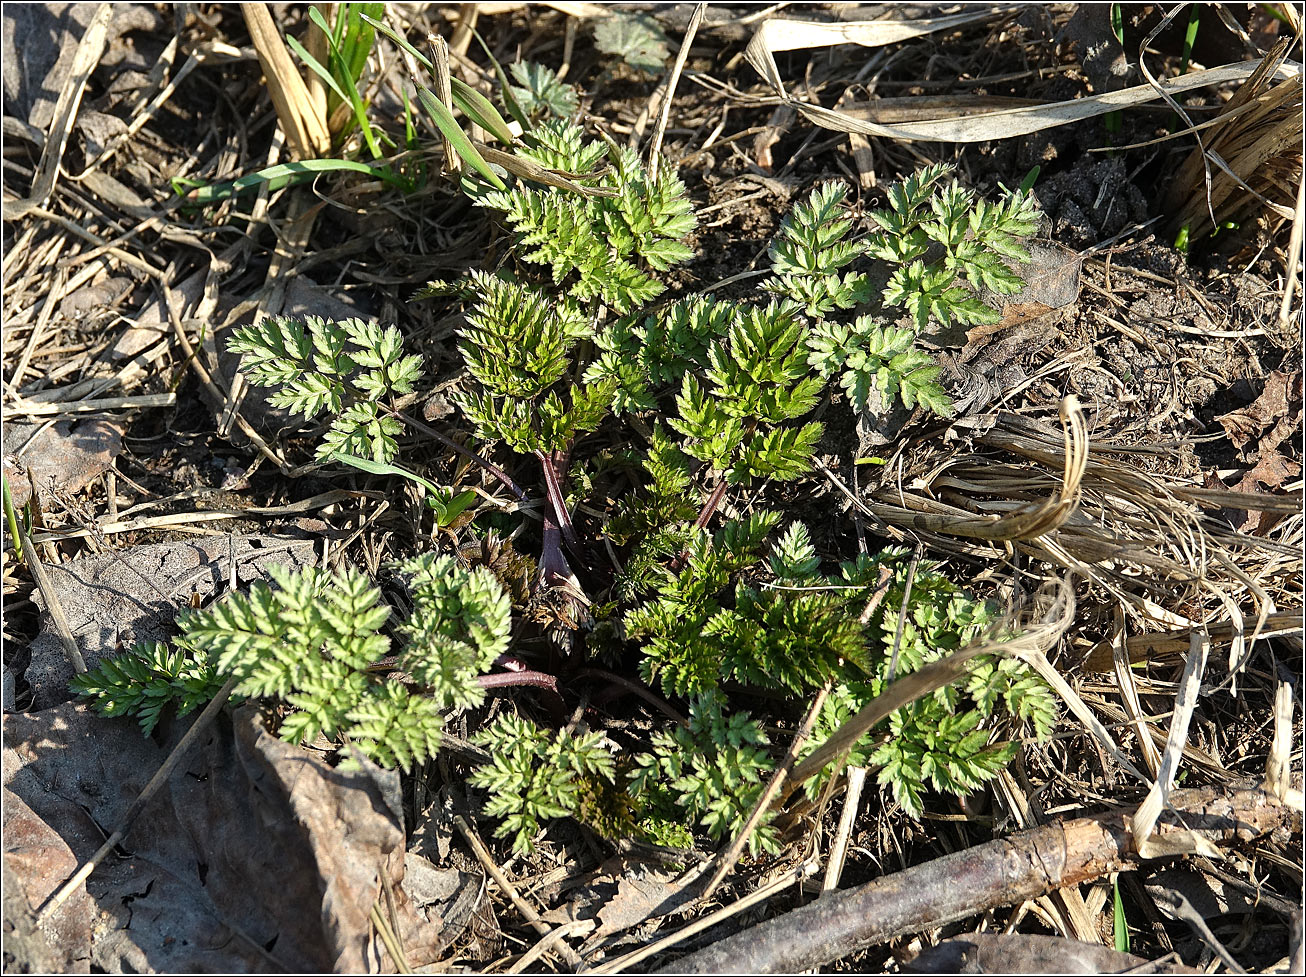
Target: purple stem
x,y
490,467
709,507
553,462
704,517
502,680
554,569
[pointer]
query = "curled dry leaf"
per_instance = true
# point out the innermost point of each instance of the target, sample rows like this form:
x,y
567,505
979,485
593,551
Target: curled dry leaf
x,y
1272,417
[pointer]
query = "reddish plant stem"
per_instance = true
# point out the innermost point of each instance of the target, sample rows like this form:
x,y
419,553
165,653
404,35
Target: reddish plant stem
x,y
448,442
503,680
554,568
704,517
511,663
710,506
553,463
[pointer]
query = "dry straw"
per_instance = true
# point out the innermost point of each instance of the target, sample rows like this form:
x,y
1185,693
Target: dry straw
x,y
786,35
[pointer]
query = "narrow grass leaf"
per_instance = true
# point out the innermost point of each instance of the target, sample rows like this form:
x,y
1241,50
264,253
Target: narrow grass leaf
x,y
480,110
450,129
382,468
315,66
345,77
1121,927
289,172
399,39
505,89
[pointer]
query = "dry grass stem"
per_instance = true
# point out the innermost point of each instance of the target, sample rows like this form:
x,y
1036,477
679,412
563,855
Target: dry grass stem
x,y
297,111
505,885
852,800
89,51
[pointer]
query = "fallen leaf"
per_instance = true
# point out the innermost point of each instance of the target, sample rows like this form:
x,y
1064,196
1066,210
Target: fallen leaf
x,y
36,862
131,595
624,894
1051,282
64,457
445,898
1278,408
1271,471
256,856
1016,314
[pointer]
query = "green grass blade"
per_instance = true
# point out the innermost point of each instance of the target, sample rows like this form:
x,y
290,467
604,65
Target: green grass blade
x,y
399,39
1027,184
11,517
362,35
360,115
450,129
316,17
1121,927
474,105
480,110
1190,38
505,89
288,172
410,124
316,67
382,468
456,506
346,80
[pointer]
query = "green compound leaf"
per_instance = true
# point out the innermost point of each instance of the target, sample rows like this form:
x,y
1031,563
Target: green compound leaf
x,y
541,92
635,38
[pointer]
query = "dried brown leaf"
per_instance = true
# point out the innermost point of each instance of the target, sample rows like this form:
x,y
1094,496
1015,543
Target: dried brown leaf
x,y
1278,408
257,855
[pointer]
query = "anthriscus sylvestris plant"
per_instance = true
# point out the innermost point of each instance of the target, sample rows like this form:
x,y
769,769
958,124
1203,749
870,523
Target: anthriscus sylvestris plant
x,y
310,645
642,420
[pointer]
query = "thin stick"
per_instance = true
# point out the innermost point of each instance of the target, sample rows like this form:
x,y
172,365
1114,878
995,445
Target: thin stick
x,y
839,850
727,859
179,330
635,688
902,611
25,408
672,80
60,288
52,602
158,780
1003,872
547,943
392,917
794,875
936,675
487,862
443,94
87,56
1294,253
390,940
